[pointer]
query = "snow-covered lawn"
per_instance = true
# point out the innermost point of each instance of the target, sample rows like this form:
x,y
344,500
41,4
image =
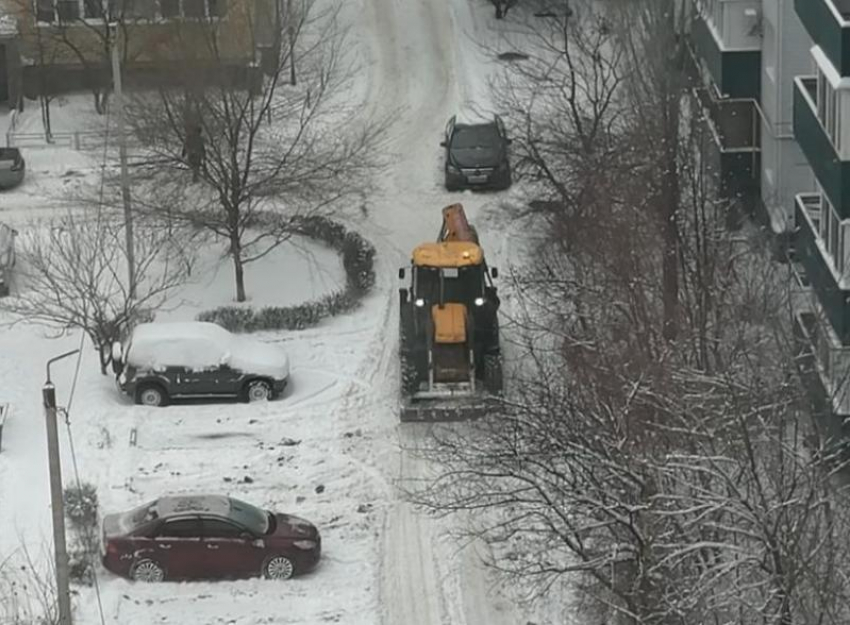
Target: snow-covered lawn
x,y
297,271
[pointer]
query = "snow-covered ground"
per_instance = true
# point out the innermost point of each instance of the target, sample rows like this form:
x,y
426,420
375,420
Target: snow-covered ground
x,y
383,561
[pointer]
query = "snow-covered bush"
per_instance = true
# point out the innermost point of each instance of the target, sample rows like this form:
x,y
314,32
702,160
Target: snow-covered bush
x,y
81,508
358,257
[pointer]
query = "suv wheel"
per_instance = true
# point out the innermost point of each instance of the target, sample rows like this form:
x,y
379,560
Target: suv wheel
x,y
151,395
258,390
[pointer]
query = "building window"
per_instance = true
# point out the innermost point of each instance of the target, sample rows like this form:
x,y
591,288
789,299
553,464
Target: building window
x,y
829,109
50,11
834,235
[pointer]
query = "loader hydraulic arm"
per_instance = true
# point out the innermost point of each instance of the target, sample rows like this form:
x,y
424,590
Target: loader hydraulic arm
x,y
455,226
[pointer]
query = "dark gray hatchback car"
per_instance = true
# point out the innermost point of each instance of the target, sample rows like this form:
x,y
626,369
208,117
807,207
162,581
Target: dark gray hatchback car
x,y
477,154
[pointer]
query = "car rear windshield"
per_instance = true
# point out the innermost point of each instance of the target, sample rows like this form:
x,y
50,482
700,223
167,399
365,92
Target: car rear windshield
x,y
248,516
475,137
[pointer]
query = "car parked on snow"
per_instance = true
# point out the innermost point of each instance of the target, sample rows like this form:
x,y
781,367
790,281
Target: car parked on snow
x,y
7,257
477,154
162,361
207,537
12,168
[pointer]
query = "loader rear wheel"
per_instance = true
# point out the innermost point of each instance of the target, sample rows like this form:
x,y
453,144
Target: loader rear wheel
x,y
493,382
409,375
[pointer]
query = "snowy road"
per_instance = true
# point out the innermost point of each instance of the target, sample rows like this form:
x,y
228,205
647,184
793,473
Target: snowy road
x,y
423,67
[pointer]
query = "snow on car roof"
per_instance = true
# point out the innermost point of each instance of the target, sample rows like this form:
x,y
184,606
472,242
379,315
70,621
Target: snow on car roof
x,y
193,344
474,118
199,345
174,330
192,504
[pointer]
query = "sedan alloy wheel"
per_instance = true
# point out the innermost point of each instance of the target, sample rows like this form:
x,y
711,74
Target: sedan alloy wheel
x,y
147,571
279,567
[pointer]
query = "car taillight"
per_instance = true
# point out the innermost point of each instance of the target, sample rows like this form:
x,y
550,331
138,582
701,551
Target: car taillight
x,y
111,548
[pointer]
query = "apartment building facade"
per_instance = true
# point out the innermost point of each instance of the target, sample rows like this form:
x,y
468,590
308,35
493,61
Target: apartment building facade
x,y
748,53
821,113
778,72
62,45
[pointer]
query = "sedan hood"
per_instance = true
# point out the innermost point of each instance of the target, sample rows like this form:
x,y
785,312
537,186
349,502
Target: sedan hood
x,y
477,157
259,358
289,526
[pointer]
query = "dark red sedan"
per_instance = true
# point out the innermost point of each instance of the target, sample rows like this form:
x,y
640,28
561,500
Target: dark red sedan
x,y
207,537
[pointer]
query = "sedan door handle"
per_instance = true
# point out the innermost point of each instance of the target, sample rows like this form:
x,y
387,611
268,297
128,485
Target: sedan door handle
x,y
164,546
212,546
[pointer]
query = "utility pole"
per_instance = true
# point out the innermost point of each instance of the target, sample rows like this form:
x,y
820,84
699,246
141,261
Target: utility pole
x,y
118,98
57,502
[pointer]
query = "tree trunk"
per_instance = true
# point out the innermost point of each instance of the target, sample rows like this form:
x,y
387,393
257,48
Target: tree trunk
x,y
238,267
669,210
290,31
104,349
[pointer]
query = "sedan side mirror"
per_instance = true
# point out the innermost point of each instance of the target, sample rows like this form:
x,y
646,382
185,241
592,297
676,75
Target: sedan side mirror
x,y
494,272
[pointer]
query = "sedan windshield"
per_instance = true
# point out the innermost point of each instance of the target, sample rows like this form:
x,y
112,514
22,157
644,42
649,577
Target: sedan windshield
x,y
141,515
246,515
469,137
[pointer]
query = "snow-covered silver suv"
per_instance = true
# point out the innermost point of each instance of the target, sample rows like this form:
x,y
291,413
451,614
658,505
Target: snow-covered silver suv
x,y
161,361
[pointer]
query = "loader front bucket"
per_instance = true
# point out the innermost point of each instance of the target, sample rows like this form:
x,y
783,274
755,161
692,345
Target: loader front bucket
x,y
437,410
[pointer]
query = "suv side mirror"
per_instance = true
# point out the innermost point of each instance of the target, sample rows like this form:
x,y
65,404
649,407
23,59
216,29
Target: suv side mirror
x,y
401,273
494,272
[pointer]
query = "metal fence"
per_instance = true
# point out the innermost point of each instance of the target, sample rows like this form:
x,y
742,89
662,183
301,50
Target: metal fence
x,y
81,140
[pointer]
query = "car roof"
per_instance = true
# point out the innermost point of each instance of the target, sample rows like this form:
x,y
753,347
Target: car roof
x,y
472,118
174,505
174,330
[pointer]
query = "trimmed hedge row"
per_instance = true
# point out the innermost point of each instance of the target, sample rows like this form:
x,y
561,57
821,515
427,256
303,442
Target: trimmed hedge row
x,y
358,259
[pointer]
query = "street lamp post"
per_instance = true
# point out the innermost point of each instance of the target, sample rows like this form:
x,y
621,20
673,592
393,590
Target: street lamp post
x,y
118,98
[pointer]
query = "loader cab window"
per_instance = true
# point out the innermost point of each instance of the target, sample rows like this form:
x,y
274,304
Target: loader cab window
x,y
462,284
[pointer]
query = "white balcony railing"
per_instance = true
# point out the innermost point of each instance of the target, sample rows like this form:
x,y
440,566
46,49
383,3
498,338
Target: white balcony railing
x,y
737,24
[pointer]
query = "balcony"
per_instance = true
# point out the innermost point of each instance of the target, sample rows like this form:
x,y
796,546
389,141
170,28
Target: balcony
x,y
832,173
834,302
824,369
736,72
734,122
828,24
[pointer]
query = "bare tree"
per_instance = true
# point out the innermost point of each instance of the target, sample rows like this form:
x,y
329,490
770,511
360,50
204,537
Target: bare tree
x,y
262,148
72,274
668,477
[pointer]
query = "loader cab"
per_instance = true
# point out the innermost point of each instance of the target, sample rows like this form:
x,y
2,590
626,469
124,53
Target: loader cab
x,y
449,272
